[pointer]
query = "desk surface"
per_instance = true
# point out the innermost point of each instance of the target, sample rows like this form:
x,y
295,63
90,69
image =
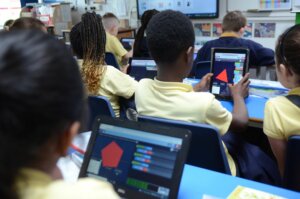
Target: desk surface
x,y
260,90
197,181
255,106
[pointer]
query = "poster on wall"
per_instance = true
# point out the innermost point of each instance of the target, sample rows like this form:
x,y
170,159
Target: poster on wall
x,y
217,29
9,9
275,4
264,30
202,29
248,30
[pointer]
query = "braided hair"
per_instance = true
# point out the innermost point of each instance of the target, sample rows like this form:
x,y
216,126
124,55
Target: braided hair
x,y
88,39
147,15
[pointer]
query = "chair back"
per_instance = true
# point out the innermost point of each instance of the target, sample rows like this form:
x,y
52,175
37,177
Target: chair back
x,y
206,149
110,59
99,105
292,164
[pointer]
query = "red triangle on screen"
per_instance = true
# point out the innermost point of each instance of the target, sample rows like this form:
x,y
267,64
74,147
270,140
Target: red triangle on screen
x,y
223,76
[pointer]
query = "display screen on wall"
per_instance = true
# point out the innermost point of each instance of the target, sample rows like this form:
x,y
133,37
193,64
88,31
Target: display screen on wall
x,y
194,9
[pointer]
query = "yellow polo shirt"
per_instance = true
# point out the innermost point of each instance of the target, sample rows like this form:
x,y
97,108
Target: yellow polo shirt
x,y
178,101
114,46
282,117
115,84
39,185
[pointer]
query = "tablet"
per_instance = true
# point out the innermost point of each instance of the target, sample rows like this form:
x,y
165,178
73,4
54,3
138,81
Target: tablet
x,y
228,66
140,160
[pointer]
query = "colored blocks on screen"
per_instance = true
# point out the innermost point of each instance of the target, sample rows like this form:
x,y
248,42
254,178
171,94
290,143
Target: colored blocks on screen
x,y
111,155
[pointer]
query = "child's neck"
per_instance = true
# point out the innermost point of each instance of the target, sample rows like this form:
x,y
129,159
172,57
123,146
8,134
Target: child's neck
x,y
168,76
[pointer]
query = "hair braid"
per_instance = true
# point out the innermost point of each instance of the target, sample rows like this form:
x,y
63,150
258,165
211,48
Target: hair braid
x,y
89,38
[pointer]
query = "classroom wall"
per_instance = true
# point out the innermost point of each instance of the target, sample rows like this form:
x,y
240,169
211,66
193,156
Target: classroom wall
x,y
283,19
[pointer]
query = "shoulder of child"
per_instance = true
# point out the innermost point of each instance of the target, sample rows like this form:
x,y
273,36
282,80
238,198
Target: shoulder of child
x,y
84,188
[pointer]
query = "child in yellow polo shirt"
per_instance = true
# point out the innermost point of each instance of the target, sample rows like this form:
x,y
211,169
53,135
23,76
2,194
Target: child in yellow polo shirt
x,y
281,113
88,40
170,38
42,103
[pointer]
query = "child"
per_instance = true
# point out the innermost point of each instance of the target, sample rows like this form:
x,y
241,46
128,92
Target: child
x,y
170,38
233,26
113,45
281,113
140,48
28,23
88,42
41,106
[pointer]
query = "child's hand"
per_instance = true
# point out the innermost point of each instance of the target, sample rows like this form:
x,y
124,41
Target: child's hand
x,y
124,68
204,84
241,89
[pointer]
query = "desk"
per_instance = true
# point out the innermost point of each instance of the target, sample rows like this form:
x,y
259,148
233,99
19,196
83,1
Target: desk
x,y
257,99
197,181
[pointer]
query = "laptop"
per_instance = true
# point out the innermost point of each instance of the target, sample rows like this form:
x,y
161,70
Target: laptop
x,y
140,68
140,160
127,42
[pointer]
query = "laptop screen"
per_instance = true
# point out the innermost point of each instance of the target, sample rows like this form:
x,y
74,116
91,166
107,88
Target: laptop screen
x,y
133,159
148,63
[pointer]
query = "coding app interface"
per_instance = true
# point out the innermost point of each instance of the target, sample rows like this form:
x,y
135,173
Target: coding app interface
x,y
136,160
227,69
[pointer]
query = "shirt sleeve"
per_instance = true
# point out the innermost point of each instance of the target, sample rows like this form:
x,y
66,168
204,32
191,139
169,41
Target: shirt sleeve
x,y
272,123
262,56
218,116
118,48
119,83
84,188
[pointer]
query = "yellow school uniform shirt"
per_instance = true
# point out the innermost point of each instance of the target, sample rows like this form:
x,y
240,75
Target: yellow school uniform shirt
x,y
115,84
178,101
34,184
282,117
114,46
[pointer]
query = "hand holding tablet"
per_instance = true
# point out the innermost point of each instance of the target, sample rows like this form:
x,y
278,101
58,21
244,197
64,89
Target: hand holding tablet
x,y
229,66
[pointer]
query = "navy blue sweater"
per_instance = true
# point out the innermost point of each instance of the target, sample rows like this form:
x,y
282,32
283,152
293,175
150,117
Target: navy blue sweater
x,y
259,55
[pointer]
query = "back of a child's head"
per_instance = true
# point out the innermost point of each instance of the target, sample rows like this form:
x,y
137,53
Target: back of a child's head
x,y
110,20
28,23
41,94
234,21
88,38
146,17
287,49
88,41
169,33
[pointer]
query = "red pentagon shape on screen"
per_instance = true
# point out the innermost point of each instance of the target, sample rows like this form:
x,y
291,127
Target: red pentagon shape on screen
x,y
111,155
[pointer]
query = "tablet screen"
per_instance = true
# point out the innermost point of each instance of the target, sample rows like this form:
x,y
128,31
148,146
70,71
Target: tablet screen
x,y
228,68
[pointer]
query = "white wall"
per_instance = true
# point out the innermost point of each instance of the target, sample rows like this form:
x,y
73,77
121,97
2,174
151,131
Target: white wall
x,y
283,19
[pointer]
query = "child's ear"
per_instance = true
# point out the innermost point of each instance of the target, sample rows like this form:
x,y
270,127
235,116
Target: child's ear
x,y
66,138
190,53
285,70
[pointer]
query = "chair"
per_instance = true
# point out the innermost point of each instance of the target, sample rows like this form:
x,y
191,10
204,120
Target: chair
x,y
110,59
206,149
292,164
99,105
202,68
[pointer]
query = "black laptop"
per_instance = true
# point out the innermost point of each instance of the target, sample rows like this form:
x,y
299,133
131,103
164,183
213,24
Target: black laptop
x,y
140,160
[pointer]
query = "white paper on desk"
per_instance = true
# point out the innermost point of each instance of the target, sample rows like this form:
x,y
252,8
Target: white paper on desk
x,y
266,83
209,197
